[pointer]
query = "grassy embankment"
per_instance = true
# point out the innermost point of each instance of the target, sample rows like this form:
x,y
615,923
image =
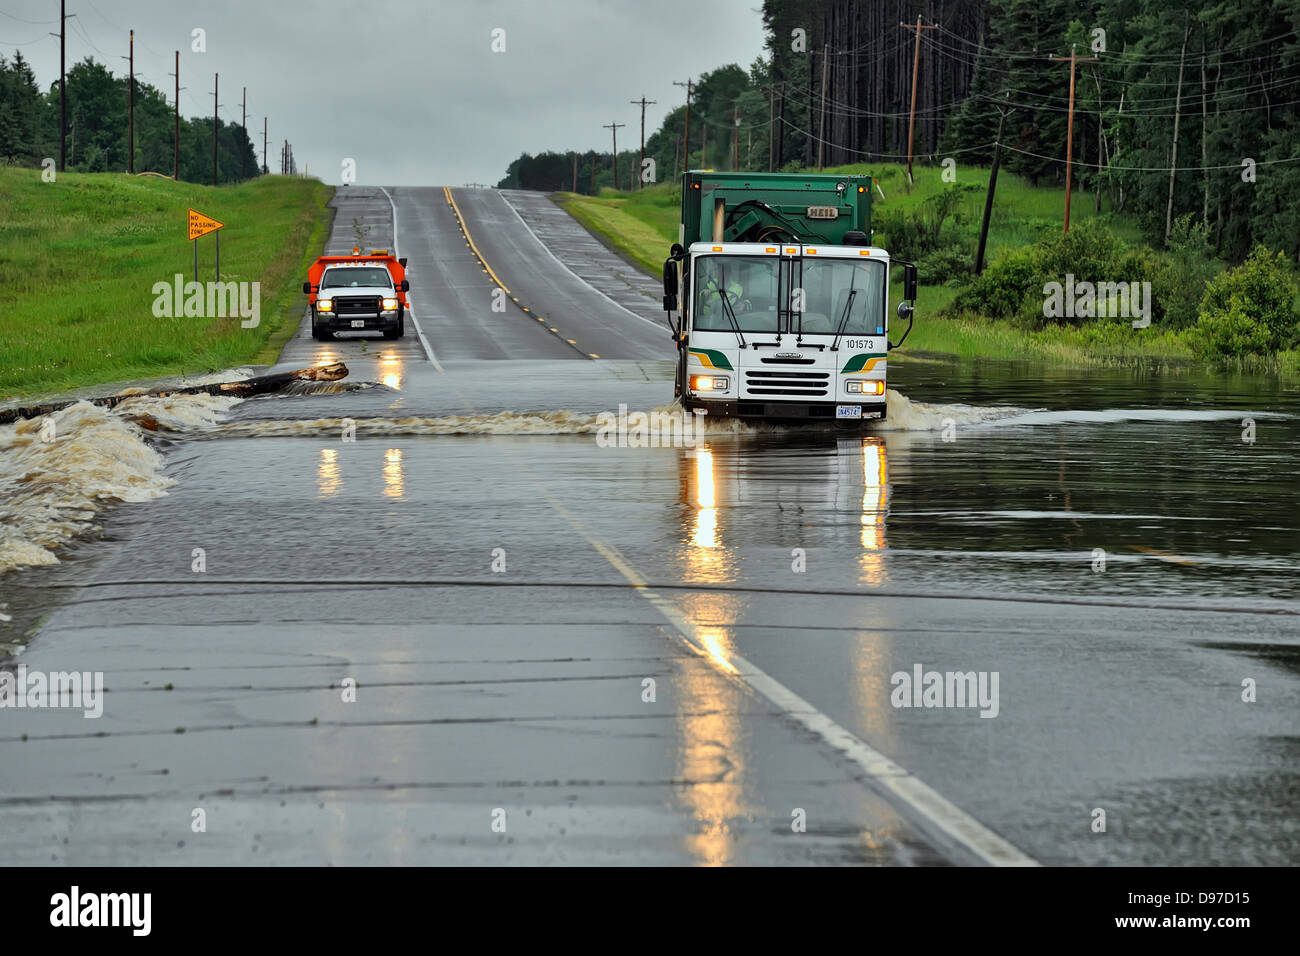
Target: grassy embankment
x,y
642,225
79,259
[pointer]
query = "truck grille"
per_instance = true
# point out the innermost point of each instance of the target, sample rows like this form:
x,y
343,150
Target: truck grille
x,y
357,305
786,383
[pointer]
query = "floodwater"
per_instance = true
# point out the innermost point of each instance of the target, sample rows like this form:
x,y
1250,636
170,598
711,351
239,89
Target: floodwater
x,y
1121,547
988,477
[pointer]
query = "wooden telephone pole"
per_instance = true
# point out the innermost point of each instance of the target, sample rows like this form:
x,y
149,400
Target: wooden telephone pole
x,y
215,107
686,131
63,83
130,109
1069,135
821,134
644,103
993,185
243,128
615,127
176,123
916,63
265,167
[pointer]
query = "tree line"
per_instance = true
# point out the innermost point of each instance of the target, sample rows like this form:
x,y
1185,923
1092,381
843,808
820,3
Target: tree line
x,y
1181,108
97,134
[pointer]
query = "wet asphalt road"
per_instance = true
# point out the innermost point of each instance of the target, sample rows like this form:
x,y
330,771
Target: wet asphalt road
x,y
519,691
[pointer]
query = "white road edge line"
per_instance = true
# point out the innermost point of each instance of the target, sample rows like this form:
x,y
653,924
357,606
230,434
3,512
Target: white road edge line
x,y
511,207
940,819
397,252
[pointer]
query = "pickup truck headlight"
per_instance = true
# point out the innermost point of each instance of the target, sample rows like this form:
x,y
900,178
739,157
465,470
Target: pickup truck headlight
x,y
324,305
390,305
709,383
864,388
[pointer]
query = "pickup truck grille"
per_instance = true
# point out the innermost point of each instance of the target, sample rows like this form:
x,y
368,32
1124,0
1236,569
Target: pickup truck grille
x,y
786,383
357,305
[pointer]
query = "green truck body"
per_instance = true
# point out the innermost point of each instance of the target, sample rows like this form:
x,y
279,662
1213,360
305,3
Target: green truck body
x,y
760,206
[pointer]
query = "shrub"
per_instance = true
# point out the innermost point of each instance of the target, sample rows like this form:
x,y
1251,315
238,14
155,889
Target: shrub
x,y
1179,277
1004,286
1249,309
942,265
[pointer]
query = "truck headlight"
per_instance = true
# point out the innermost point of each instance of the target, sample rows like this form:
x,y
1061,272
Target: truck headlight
x,y
858,387
709,383
324,305
390,305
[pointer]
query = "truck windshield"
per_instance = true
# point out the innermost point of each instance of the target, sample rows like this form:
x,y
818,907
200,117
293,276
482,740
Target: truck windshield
x,y
749,285
356,279
827,284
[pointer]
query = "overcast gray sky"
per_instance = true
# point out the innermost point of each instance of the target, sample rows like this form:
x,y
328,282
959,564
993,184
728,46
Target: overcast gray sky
x,y
411,90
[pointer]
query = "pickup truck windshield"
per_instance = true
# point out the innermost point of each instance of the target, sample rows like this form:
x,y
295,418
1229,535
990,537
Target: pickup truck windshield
x,y
750,285
356,279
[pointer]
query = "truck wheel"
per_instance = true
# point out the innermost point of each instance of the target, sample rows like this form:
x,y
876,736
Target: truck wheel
x,y
398,330
319,332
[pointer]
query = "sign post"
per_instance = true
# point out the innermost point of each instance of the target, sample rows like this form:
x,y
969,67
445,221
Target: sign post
x,y
201,225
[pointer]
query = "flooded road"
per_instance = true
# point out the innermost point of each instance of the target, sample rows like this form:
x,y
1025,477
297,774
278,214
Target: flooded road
x,y
676,654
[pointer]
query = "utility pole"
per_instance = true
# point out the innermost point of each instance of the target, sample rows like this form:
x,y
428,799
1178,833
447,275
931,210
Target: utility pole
x,y
771,126
993,185
735,138
265,167
640,169
1178,108
1069,135
176,118
615,128
63,83
575,170
243,128
821,135
130,110
916,63
593,173
215,107
686,131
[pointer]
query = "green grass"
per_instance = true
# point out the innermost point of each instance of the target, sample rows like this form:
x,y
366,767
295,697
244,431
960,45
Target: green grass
x,y
641,226
79,259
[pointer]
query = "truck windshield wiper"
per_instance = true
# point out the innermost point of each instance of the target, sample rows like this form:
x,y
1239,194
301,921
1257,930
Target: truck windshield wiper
x,y
844,319
731,315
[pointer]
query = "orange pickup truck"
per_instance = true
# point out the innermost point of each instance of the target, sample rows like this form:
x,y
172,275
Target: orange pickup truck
x,y
357,293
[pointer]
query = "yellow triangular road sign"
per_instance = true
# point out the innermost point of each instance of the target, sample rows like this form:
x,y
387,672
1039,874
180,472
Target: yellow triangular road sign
x,y
201,225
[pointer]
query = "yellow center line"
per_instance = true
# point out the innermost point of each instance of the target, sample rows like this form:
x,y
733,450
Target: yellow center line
x,y
464,227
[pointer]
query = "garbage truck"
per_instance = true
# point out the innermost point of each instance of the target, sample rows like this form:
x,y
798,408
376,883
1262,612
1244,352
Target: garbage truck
x,y
777,299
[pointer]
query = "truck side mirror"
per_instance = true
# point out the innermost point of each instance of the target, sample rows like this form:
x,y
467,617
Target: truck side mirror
x,y
306,287
406,286
670,285
402,262
909,281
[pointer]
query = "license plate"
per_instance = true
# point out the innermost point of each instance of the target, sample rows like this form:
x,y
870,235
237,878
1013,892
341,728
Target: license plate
x,y
358,323
848,411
